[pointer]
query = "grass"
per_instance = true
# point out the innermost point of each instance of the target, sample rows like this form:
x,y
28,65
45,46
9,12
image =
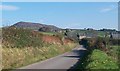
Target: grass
x,y
0,56
114,52
17,57
21,47
48,33
98,60
101,33
18,37
100,56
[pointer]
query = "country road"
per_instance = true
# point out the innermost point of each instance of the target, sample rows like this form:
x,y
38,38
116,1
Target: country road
x,y
63,61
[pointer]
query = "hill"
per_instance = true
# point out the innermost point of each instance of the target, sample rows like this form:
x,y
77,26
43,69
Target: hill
x,y
36,26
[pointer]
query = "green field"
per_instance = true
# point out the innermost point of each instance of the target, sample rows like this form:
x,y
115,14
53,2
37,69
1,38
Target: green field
x,y
49,33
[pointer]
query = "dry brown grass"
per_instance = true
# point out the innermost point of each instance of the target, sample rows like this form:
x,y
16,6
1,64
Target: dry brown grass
x,y
17,57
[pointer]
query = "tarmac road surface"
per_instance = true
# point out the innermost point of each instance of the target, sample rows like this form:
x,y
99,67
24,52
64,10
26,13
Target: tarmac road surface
x,y
63,61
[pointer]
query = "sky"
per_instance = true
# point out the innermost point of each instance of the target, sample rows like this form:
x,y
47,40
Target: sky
x,y
60,0
77,15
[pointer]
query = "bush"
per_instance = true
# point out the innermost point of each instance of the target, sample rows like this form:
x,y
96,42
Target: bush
x,y
114,41
94,43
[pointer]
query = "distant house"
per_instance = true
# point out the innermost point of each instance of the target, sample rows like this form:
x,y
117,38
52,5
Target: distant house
x,y
115,35
81,37
87,35
91,35
60,31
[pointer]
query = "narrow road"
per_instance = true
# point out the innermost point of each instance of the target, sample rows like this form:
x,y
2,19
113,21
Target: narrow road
x,y
64,61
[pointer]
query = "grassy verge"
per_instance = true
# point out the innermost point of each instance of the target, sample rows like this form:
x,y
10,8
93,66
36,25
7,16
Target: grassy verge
x,y
114,52
102,54
98,60
17,57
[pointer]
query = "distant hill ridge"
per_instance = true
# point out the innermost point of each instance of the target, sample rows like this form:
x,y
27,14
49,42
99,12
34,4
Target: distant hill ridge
x,y
37,26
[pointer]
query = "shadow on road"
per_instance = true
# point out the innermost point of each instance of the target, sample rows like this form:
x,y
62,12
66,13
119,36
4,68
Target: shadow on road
x,y
77,54
73,56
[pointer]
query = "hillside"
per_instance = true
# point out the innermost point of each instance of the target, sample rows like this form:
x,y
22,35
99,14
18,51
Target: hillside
x,y
19,37
22,47
36,26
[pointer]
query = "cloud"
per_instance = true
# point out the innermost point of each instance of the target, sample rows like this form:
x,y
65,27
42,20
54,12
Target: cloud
x,y
8,7
107,9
